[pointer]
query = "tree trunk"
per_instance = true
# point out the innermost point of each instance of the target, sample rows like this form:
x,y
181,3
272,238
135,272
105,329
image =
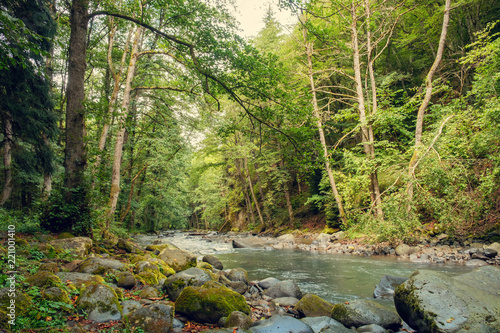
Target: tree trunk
x,y
366,130
287,197
245,192
427,98
261,191
319,124
75,158
250,184
118,152
7,160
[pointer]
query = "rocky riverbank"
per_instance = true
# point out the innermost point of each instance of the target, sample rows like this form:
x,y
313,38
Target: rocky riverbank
x,y
128,287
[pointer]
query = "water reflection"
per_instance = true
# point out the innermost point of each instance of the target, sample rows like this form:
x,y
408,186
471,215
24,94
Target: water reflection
x,y
336,278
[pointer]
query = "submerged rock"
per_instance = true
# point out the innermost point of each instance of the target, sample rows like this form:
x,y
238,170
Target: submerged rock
x,y
360,313
434,302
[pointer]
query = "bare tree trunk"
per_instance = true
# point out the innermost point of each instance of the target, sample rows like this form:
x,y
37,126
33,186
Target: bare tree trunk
x,y
261,191
7,160
319,124
118,152
75,158
245,192
366,131
427,98
250,184
287,197
114,95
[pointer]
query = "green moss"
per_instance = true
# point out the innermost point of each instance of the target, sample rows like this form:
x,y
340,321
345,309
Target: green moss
x,y
49,267
56,294
103,306
160,247
4,320
205,265
23,302
210,302
44,279
65,235
148,277
313,306
136,258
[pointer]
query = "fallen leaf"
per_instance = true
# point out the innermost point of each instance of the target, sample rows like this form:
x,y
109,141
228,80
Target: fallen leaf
x,y
450,320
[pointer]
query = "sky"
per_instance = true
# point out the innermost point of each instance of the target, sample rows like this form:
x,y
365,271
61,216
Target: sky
x,y
250,14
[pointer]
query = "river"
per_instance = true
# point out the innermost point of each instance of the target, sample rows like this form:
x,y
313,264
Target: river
x,y
336,278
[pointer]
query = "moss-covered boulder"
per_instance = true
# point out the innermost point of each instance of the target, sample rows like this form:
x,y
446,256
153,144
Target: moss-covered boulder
x,y
56,294
311,305
43,279
65,235
285,288
76,280
362,312
194,277
214,261
22,305
49,267
128,246
434,302
80,246
179,260
148,277
209,303
100,302
100,266
125,280
160,247
149,292
238,275
155,318
205,265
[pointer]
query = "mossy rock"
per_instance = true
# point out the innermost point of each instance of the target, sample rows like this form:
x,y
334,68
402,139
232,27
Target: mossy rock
x,y
160,247
65,235
48,267
209,303
43,279
100,302
125,280
56,294
5,320
179,260
21,241
48,250
195,277
148,278
80,246
238,319
155,318
149,292
23,302
100,266
362,312
329,231
205,265
311,305
136,258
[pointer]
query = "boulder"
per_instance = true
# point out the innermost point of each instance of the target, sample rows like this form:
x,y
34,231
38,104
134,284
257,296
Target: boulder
x,y
160,247
319,323
323,238
155,318
434,302
486,278
100,266
44,279
286,288
48,267
100,302
23,302
251,242
149,292
238,275
371,329
286,301
402,250
385,288
268,282
288,238
78,245
128,246
193,277
238,319
281,324
179,260
78,279
313,306
338,236
361,312
56,294
494,246
125,280
209,303
130,306
214,261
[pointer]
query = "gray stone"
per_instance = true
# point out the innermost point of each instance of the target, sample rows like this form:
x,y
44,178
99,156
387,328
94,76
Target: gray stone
x,y
319,323
214,261
286,288
100,302
179,260
313,306
238,319
125,280
100,266
238,274
268,282
361,312
323,238
130,306
494,246
149,292
281,324
155,318
371,329
286,301
490,253
251,242
434,302
190,277
385,288
228,330
476,263
78,279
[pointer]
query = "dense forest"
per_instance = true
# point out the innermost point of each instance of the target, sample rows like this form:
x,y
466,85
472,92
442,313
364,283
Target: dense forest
x,y
378,117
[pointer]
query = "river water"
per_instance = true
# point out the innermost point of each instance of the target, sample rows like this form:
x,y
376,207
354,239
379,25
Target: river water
x,y
335,278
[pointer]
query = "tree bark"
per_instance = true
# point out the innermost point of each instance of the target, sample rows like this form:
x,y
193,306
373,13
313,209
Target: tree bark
x,y
250,184
366,130
427,99
75,158
118,152
319,124
7,160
